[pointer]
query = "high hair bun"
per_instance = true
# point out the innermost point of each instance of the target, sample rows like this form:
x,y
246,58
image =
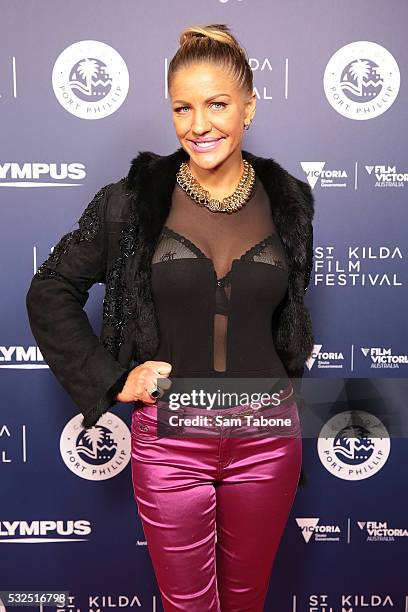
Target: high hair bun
x,y
218,32
213,44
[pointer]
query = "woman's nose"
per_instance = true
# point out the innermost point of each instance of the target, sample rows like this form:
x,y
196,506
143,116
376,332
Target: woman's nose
x,y
200,123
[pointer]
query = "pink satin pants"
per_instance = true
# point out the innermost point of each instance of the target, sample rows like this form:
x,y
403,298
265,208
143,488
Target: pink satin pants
x,y
214,508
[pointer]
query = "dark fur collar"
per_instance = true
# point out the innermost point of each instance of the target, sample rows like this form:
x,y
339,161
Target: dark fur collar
x,y
151,180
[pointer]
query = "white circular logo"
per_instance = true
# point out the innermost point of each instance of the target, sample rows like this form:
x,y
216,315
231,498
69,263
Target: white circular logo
x,y
361,80
90,79
97,453
353,445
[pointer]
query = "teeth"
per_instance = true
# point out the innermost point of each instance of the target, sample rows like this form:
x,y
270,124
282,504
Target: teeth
x,y
205,144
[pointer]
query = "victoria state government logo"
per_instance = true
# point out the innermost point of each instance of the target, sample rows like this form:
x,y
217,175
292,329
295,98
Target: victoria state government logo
x,y
361,80
97,453
353,445
90,79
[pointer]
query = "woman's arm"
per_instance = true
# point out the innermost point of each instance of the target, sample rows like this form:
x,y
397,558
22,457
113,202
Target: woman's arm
x,y
55,304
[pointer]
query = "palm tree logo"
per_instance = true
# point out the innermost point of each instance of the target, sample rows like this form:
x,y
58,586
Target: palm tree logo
x,y
353,444
96,445
90,79
361,80
94,436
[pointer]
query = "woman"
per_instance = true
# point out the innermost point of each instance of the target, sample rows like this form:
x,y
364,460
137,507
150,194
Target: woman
x,y
206,255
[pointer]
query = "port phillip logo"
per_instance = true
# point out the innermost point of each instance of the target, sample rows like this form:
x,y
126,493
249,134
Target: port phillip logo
x,y
90,79
361,80
99,452
353,445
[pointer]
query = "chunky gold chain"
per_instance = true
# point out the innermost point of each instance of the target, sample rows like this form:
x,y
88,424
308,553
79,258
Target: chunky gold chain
x,y
231,203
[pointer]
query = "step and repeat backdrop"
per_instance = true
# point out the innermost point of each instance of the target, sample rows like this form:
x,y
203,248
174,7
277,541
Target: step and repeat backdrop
x,y
82,91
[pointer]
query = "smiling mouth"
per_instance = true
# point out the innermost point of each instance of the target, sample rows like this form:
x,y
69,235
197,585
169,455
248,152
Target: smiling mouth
x,y
206,144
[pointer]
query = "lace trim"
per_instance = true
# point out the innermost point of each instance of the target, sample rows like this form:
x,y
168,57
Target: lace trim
x,y
259,246
89,225
170,232
119,301
251,252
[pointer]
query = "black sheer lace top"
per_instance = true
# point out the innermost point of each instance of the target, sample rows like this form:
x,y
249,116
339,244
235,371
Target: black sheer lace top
x,y
216,280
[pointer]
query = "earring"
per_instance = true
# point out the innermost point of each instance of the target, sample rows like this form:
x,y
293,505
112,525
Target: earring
x,y
247,125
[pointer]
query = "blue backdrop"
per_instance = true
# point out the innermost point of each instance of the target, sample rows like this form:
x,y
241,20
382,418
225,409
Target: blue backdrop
x,y
82,91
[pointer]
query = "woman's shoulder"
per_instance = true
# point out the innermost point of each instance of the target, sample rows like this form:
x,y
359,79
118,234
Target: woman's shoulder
x,y
148,170
117,201
279,179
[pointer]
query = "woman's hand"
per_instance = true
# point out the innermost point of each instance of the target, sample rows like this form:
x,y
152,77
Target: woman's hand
x,y
143,377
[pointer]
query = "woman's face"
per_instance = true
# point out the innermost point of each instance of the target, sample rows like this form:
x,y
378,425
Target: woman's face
x,y
207,105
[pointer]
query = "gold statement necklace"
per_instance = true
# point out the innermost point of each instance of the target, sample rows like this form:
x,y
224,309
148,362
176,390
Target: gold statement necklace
x,y
201,196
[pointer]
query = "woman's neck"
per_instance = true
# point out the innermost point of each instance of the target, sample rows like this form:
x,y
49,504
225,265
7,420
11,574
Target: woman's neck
x,y
220,181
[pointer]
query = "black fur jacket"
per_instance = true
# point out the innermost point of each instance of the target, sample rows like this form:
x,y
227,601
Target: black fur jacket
x,y
114,245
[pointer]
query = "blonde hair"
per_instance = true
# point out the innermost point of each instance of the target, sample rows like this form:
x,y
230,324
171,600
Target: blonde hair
x,y
212,44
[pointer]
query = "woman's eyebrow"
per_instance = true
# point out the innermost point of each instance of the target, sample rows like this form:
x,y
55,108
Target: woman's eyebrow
x,y
207,100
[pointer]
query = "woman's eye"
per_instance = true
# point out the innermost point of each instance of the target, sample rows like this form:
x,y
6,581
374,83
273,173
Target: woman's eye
x,y
222,103
179,109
